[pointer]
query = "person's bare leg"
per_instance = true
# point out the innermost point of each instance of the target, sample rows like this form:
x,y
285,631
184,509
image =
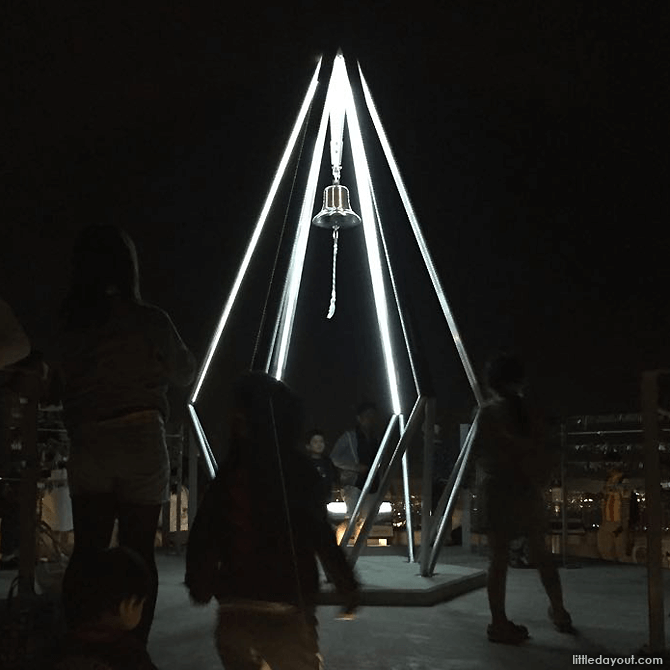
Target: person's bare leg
x,y
542,558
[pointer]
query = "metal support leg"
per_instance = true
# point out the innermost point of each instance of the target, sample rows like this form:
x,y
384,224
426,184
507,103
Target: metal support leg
x,y
192,478
427,490
408,502
379,458
452,492
406,437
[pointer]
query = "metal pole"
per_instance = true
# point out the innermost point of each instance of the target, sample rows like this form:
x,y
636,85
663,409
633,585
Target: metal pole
x,y
466,517
408,502
383,447
28,486
453,484
427,489
423,247
192,478
205,449
652,476
564,500
405,439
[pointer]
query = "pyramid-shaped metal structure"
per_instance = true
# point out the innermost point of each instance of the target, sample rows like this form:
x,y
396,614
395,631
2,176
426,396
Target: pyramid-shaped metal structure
x,y
342,106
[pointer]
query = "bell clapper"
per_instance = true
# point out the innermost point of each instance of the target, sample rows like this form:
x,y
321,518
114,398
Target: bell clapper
x,y
331,309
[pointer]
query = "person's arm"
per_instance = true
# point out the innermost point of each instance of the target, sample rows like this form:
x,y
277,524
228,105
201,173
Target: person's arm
x,y
14,343
343,455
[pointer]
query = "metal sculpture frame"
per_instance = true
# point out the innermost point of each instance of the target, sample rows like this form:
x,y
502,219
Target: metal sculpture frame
x,y
340,104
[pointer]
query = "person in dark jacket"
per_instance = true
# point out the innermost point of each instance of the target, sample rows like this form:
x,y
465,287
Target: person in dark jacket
x,y
257,534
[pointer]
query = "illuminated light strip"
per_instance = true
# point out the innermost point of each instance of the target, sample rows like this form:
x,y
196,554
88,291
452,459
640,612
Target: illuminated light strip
x,y
275,332
300,247
423,247
364,183
395,294
205,449
257,231
337,113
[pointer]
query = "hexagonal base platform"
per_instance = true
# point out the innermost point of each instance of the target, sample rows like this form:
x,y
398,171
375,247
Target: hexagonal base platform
x,y
393,580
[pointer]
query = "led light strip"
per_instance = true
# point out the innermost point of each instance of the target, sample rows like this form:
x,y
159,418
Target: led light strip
x,y
257,232
364,183
423,247
382,237
297,263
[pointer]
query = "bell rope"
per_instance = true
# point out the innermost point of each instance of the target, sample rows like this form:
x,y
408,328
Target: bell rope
x,y
331,309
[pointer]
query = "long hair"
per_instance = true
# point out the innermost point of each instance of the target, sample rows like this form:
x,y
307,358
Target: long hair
x,y
104,264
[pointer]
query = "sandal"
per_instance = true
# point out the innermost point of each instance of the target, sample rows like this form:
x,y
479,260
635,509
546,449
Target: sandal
x,y
562,622
509,633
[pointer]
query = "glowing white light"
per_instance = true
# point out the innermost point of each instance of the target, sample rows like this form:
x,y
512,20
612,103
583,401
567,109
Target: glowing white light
x,y
423,247
257,232
300,246
395,294
337,507
364,184
336,84
337,113
205,449
341,508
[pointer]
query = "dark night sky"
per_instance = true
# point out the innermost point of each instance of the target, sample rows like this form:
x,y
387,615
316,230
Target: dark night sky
x,y
529,136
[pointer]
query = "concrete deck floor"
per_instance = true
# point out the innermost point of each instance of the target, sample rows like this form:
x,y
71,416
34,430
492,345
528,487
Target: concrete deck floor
x,y
608,603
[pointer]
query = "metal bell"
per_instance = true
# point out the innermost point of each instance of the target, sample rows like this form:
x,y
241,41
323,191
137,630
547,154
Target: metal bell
x,y
336,211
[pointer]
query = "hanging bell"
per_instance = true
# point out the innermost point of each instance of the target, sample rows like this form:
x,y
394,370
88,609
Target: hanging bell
x,y
336,211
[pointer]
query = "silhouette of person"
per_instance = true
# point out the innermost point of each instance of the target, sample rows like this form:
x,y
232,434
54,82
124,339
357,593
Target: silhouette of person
x,y
509,450
118,356
353,455
257,533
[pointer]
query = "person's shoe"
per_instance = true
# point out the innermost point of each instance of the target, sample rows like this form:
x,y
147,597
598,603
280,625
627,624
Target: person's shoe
x,y
509,633
562,621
